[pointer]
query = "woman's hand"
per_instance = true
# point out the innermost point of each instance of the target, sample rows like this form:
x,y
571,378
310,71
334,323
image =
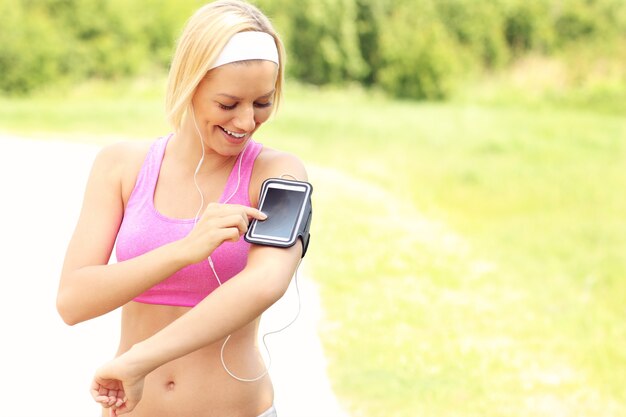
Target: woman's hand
x,y
115,387
219,223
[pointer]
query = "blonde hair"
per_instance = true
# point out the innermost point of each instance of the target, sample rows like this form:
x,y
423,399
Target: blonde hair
x,y
206,33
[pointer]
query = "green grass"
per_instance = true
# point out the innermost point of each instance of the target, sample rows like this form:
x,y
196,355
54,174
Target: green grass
x,y
523,316
470,256
95,110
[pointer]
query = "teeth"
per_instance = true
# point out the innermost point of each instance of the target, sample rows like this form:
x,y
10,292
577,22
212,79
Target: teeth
x,y
237,135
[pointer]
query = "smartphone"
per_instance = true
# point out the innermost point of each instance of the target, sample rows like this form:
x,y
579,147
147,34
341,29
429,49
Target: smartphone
x,y
287,204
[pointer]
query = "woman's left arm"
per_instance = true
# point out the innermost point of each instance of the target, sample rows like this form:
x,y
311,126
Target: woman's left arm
x,y
119,383
237,302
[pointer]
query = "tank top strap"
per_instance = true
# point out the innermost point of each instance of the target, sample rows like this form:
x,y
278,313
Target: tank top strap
x,y
149,172
236,190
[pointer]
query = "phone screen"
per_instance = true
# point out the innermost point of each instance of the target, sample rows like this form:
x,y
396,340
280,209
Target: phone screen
x,y
282,208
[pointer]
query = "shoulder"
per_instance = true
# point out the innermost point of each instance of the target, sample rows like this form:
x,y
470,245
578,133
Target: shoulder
x,y
121,156
120,163
272,163
120,153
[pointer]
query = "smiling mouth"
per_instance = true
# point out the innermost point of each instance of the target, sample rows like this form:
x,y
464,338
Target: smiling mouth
x,y
233,134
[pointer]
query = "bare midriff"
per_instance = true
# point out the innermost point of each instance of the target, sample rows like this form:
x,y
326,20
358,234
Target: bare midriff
x,y
197,385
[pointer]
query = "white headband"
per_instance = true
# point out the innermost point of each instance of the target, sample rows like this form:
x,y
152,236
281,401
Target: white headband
x,y
248,45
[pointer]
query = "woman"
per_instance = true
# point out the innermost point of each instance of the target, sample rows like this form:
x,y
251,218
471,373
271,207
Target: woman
x,y
176,212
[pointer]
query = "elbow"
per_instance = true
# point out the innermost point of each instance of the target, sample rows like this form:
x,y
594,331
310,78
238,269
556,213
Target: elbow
x,y
273,289
272,294
66,310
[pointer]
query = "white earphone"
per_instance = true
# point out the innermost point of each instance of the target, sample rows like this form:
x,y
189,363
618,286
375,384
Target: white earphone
x,y
240,157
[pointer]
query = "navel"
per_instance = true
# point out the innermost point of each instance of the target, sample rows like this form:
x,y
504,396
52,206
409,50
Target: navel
x,y
170,385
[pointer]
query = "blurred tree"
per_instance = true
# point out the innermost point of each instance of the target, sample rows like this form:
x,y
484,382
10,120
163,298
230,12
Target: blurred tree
x,y
410,48
106,41
369,27
32,50
584,20
160,23
323,41
529,25
479,28
420,59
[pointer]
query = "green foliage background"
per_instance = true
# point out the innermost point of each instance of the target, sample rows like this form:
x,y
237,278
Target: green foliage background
x,y
424,49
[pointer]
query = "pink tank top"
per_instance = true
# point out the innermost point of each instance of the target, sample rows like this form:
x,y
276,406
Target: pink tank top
x,y
144,229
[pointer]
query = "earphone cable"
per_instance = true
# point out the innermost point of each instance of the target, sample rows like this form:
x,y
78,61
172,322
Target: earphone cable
x,y
210,261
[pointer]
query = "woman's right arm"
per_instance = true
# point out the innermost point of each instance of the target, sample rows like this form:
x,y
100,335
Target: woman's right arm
x,y
89,287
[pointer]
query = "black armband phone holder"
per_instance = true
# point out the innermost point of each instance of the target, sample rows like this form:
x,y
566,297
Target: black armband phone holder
x,y
288,206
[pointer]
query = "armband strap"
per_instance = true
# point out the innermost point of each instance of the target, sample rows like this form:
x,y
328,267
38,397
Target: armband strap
x,y
304,232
